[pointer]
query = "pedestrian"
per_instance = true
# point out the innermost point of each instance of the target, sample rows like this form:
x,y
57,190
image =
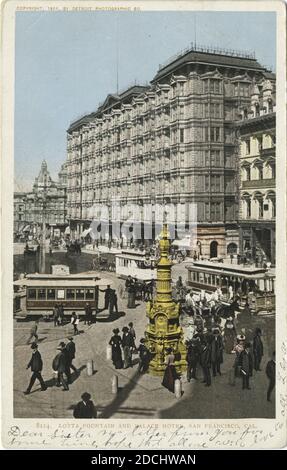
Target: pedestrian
x,y
75,321
107,292
198,321
170,374
71,353
246,366
231,293
130,287
36,365
33,332
113,302
85,408
88,314
271,373
127,344
216,352
61,314
257,349
193,356
205,360
236,369
229,335
133,334
56,315
116,342
144,357
60,365
179,283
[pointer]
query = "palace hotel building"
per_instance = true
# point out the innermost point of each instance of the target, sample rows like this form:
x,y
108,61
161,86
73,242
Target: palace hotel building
x,y
172,143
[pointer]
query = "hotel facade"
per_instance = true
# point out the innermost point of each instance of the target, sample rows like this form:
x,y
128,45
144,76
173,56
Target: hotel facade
x,y
171,148
258,174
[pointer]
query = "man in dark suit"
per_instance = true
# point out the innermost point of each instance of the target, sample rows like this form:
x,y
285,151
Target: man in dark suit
x,y
36,365
193,356
131,290
108,294
246,365
216,352
205,360
271,373
85,408
257,349
89,314
71,354
113,302
60,364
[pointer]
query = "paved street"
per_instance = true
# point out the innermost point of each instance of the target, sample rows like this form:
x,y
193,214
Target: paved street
x,y
138,397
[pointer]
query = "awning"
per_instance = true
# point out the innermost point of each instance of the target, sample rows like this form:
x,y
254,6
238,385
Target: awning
x,y
86,232
26,229
67,231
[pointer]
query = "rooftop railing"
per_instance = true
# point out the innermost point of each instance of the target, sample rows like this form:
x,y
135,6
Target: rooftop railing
x,y
210,50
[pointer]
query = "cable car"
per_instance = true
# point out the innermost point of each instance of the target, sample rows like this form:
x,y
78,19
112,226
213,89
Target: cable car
x,y
43,291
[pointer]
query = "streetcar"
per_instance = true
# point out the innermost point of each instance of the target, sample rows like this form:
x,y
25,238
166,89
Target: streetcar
x,y
136,264
250,284
41,292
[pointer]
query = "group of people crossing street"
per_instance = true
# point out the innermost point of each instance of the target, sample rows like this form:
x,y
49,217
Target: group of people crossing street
x,y
62,365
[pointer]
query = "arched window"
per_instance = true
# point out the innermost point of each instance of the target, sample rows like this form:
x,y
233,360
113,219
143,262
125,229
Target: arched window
x,y
231,248
247,172
272,198
259,199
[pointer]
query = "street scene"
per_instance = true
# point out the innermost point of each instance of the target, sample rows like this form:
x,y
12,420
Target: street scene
x,y
144,254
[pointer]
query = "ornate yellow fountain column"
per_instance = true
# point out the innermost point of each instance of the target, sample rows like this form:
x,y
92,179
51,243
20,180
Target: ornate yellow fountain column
x,y
163,330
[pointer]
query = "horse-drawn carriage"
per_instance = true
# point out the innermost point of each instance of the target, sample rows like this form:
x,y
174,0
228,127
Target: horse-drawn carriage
x,y
244,285
103,263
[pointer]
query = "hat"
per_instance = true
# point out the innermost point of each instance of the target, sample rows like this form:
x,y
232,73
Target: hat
x,y
70,338
125,329
61,345
240,337
116,331
86,396
34,346
215,331
142,340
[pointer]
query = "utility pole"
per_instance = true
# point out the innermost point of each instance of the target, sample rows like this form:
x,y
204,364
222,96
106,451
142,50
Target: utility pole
x,y
43,238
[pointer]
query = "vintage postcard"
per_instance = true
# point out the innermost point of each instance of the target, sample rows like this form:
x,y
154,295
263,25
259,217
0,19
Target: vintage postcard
x,y
143,224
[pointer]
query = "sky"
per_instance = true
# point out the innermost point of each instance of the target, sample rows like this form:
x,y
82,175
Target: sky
x,y
66,62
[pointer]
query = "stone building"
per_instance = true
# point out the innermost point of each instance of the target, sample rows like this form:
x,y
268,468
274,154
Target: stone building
x,y
19,210
171,144
258,173
46,202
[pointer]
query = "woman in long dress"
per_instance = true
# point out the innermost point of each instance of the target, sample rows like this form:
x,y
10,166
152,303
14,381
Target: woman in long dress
x,y
229,335
116,342
170,374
